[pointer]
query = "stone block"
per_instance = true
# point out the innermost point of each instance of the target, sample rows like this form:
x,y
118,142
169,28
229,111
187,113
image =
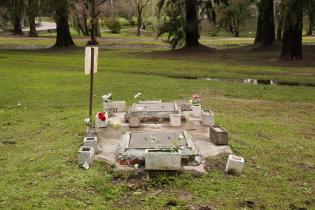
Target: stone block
x,y
134,122
86,156
207,117
234,164
91,142
91,132
175,120
196,110
218,135
114,106
162,159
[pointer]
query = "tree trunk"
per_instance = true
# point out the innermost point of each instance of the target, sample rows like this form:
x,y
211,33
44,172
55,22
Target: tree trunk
x,y
266,26
17,8
93,40
86,27
98,28
85,19
31,11
139,19
17,30
310,18
63,38
292,36
279,30
192,24
259,25
80,28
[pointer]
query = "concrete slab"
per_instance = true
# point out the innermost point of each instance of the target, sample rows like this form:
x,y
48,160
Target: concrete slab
x,y
198,143
208,149
152,139
153,112
162,159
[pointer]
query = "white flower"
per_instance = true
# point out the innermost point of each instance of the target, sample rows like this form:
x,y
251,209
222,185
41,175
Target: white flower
x,y
137,95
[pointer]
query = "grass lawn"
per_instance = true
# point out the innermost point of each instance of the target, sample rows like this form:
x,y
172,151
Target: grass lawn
x,y
44,98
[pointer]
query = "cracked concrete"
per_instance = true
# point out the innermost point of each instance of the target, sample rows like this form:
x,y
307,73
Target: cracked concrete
x,y
110,137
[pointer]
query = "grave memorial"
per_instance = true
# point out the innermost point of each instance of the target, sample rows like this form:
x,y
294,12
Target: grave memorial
x,y
152,135
156,135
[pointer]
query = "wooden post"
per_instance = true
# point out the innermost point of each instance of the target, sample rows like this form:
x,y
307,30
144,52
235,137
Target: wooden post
x,y
91,85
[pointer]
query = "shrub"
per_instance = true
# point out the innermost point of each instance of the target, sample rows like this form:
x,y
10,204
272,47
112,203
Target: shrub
x,y
114,25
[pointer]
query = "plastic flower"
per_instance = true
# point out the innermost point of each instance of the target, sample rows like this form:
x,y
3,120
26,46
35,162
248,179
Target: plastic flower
x,y
101,116
195,99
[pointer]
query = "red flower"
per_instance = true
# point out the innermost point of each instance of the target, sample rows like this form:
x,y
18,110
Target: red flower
x,y
101,116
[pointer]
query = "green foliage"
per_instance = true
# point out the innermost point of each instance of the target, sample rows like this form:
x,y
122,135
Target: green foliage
x,y
175,23
114,25
51,88
289,10
234,14
272,127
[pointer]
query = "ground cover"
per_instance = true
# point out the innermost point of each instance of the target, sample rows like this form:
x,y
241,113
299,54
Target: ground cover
x,y
44,97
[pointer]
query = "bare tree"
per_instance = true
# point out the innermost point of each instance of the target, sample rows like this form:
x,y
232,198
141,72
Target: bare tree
x,y
95,12
141,6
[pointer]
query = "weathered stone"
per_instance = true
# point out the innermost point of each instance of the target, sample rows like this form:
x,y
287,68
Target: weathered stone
x,y
114,106
91,132
91,142
196,110
153,111
175,120
234,164
133,145
134,122
162,160
207,117
85,156
218,135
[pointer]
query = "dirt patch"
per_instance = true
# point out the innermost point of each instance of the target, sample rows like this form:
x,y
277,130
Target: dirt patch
x,y
201,51
216,163
184,196
306,166
200,207
8,142
247,55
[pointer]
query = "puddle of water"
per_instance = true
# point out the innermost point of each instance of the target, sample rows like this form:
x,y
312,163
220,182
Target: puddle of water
x,y
261,82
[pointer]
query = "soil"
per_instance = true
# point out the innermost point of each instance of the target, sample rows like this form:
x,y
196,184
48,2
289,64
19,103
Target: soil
x,y
252,55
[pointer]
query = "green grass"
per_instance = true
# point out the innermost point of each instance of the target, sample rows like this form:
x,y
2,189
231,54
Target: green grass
x,y
271,126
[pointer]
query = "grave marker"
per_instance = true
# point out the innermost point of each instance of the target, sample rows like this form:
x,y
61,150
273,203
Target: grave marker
x,y
91,58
